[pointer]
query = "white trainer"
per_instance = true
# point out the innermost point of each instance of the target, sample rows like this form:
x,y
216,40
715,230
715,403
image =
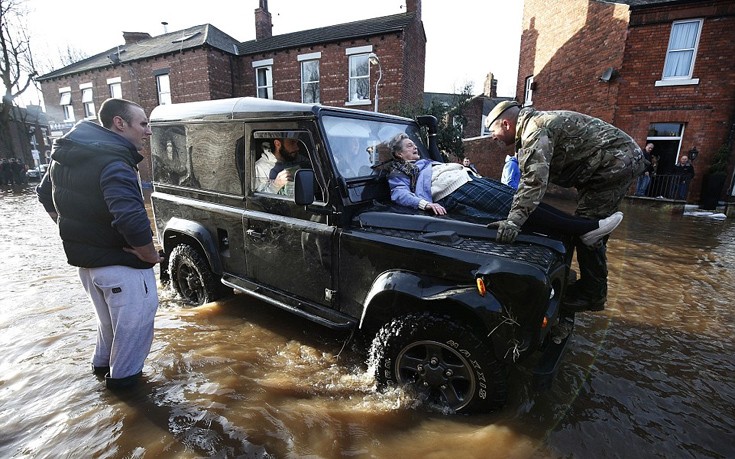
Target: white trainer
x,y
607,226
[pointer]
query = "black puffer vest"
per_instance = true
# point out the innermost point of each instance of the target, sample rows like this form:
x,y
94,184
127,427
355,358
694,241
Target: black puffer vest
x,y
85,223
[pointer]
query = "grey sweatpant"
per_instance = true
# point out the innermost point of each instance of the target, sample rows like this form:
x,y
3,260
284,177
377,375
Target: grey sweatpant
x,y
126,301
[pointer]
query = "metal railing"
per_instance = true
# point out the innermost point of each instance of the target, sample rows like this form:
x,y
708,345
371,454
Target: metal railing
x,y
668,186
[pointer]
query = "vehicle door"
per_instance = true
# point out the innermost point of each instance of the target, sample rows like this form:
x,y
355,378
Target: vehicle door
x,y
288,249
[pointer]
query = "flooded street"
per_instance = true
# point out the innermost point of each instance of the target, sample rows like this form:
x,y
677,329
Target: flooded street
x,y
651,376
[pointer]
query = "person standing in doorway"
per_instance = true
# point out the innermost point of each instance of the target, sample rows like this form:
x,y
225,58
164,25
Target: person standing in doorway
x,y
568,149
644,181
93,192
684,172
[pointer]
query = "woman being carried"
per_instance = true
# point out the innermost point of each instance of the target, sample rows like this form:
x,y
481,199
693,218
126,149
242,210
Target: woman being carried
x,y
443,188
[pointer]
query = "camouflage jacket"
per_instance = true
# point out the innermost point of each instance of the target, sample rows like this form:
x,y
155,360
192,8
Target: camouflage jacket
x,y
568,149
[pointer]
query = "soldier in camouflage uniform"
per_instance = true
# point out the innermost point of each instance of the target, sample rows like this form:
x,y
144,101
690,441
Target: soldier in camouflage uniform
x,y
568,149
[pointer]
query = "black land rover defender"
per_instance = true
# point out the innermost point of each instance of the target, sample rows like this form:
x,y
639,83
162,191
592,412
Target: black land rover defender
x,y
448,307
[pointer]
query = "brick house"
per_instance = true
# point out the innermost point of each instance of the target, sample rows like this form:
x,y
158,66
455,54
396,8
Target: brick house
x,y
337,65
658,69
27,137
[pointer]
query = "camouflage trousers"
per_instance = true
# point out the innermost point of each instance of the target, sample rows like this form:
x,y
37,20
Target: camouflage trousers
x,y
600,197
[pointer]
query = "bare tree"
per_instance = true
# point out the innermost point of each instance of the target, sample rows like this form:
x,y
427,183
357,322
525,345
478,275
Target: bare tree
x,y
63,55
16,70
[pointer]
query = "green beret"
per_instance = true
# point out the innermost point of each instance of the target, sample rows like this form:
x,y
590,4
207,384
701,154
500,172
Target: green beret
x,y
498,110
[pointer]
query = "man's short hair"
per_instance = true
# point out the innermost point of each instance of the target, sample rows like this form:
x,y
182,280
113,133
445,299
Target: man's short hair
x,y
111,108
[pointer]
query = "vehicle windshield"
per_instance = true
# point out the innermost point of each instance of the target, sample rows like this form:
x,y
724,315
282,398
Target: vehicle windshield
x,y
360,147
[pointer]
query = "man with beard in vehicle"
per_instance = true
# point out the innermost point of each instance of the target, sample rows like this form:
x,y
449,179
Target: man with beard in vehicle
x,y
288,159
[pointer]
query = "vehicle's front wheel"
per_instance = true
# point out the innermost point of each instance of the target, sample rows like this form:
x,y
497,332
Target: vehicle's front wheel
x,y
191,276
445,362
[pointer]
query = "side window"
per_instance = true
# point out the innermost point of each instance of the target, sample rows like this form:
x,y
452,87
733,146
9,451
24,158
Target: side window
x,y
170,161
277,155
202,156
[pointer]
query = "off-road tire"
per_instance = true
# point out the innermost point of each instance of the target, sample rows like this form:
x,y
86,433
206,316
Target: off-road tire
x,y
191,276
444,362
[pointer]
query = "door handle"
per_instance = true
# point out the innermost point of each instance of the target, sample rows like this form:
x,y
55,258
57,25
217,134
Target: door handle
x,y
254,234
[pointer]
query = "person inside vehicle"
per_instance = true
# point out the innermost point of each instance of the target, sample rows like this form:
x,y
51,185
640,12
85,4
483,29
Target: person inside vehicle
x,y
442,188
288,159
263,166
351,160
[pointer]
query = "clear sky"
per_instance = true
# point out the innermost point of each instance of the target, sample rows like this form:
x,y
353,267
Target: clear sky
x,y
457,49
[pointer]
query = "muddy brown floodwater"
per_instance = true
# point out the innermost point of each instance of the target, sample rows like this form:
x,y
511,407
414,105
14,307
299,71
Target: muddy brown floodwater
x,y
651,376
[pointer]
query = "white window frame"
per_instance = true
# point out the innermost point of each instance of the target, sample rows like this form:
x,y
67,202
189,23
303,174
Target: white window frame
x,y
528,91
65,103
307,80
163,87
667,78
263,87
115,87
356,56
670,137
88,101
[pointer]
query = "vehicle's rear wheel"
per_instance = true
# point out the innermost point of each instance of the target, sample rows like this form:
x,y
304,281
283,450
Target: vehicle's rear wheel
x,y
444,362
191,276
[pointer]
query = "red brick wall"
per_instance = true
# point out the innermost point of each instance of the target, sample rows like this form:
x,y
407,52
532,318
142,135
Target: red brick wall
x,y
399,85
199,74
413,66
473,113
205,74
487,155
567,57
707,109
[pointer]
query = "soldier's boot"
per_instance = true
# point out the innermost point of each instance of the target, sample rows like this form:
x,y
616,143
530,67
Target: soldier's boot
x,y
589,293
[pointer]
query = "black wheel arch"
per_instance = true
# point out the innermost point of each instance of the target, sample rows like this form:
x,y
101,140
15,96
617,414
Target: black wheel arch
x,y
397,293
180,231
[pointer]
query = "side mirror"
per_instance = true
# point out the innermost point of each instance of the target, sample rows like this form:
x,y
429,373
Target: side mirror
x,y
303,190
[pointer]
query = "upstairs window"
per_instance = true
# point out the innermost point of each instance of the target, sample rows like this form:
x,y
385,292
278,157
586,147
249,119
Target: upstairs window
x,y
528,91
88,103
116,90
264,78
164,89
310,78
359,78
682,52
359,75
65,102
115,87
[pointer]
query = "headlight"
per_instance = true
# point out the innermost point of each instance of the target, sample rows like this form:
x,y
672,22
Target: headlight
x,y
481,286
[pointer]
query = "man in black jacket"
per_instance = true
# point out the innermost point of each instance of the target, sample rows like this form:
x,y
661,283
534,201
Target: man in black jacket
x,y
92,191
684,171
